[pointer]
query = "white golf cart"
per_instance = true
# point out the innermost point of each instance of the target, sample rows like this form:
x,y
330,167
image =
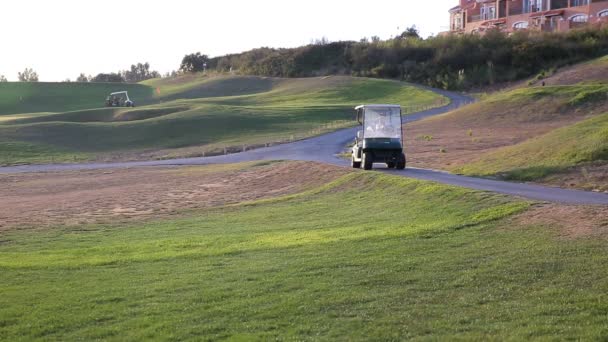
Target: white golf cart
x,y
119,99
381,139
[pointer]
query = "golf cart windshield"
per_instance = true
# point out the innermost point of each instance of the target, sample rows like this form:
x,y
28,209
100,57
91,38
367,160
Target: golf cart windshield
x,y
382,122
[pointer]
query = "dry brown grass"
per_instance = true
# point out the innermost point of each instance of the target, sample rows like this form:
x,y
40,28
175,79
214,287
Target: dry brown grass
x,y
471,131
100,196
567,221
593,71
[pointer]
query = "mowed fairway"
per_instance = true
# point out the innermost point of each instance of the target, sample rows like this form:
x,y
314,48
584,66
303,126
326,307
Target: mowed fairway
x,y
196,116
33,97
366,256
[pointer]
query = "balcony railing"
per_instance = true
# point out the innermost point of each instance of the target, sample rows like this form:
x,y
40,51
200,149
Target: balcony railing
x,y
475,18
555,4
575,3
516,11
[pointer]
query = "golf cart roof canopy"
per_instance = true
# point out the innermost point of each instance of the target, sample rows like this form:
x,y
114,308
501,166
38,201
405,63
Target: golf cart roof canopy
x,y
118,92
377,106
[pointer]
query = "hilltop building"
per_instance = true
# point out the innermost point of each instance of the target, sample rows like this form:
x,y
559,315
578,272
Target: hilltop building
x,y
478,16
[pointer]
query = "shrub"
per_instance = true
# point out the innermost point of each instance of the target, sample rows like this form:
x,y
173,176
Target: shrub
x,y
450,62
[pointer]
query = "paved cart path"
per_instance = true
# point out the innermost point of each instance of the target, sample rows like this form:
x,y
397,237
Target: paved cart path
x,y
325,149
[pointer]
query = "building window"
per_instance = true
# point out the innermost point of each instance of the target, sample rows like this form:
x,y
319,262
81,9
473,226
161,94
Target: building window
x,y
579,18
579,3
488,13
603,13
531,6
520,25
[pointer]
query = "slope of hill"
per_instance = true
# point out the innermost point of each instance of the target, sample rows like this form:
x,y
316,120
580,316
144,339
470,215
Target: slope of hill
x,y
584,144
26,97
266,111
502,119
511,133
194,86
589,72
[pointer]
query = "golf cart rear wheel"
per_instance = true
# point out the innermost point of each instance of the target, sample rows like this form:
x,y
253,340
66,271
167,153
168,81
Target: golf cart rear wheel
x,y
401,163
390,165
354,164
367,161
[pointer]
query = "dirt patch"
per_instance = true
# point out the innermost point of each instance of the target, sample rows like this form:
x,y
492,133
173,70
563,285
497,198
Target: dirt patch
x,y
101,196
568,221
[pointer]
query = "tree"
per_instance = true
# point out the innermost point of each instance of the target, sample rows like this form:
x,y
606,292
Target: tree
x,y
28,75
111,77
140,72
410,32
170,74
194,62
3,79
83,78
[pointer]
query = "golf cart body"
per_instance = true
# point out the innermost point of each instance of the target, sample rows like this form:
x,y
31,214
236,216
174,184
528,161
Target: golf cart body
x,y
119,99
381,139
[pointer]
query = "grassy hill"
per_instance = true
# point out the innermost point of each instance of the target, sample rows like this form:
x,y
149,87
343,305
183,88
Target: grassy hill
x,y
427,262
193,86
555,152
593,71
575,118
213,113
513,134
33,97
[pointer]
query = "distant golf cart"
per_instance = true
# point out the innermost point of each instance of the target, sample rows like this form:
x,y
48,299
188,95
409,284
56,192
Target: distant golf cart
x,y
119,99
381,140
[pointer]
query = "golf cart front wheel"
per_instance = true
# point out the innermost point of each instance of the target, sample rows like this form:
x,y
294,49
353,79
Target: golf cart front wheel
x,y
354,164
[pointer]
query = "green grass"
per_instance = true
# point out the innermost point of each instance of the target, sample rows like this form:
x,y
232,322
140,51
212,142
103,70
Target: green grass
x,y
556,151
278,110
553,98
342,262
193,86
28,153
541,156
25,97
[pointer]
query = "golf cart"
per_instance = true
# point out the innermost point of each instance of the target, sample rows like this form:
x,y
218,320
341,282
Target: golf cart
x,y
119,99
381,140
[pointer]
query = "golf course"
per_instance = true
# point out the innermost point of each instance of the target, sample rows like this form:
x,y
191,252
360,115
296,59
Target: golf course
x,y
265,250
305,171
184,117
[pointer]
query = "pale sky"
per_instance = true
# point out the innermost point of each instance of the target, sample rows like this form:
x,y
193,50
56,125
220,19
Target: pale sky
x,y
62,38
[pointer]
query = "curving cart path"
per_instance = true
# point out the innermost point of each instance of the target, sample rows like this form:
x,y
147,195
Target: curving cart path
x,y
325,149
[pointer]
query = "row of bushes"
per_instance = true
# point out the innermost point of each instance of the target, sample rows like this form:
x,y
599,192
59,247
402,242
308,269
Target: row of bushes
x,y
449,62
